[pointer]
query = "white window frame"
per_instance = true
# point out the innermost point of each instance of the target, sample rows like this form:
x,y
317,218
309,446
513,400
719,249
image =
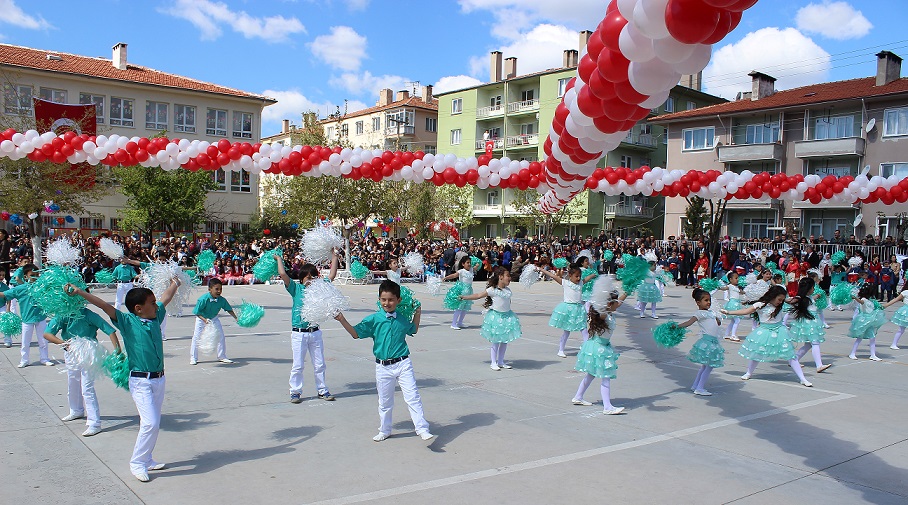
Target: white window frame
x,y
344,130
115,224
429,149
97,101
52,95
22,95
457,106
528,95
211,123
237,183
493,197
155,109
240,124
376,124
670,104
219,177
456,137
431,124
626,161
329,132
121,119
898,118
492,230
691,105
762,224
757,133
180,118
899,168
528,129
562,86
709,138
833,127
360,127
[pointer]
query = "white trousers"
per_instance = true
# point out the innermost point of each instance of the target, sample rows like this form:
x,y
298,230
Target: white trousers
x,y
302,342
122,289
199,327
81,393
27,330
401,374
149,397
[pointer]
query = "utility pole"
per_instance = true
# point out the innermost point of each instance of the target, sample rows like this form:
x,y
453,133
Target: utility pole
x,y
398,122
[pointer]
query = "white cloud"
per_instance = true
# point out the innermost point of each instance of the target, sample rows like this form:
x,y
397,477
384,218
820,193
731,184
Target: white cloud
x,y
291,104
520,15
343,48
786,54
454,82
209,17
357,5
834,20
367,84
13,15
541,48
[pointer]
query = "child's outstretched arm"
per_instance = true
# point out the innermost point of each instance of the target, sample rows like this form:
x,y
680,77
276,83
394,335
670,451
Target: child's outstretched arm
x,y
116,342
475,296
687,323
416,317
739,312
333,272
550,275
893,301
92,299
347,326
53,339
171,290
589,277
232,313
452,276
281,270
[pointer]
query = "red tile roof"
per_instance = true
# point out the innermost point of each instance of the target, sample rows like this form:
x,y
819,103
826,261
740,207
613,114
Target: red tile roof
x,y
806,95
413,101
102,68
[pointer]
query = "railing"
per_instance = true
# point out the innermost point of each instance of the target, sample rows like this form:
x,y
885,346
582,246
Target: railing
x,y
629,210
494,110
487,208
400,130
524,106
497,144
531,139
883,251
642,139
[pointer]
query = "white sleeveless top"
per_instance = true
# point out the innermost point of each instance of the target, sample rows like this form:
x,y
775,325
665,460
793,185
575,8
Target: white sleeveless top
x,y
734,292
706,319
905,297
501,299
765,310
465,276
571,291
393,275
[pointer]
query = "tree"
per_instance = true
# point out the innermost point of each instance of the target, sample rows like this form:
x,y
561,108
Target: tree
x,y
712,221
529,215
163,200
454,202
695,216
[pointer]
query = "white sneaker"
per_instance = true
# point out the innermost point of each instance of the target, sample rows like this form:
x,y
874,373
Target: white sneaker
x,y
91,431
22,364
380,437
654,316
806,383
826,326
613,410
157,466
426,435
455,327
505,366
702,392
745,377
642,316
8,344
193,362
48,363
142,476
580,401
875,358
226,360
852,356
73,417
561,354
895,347
495,367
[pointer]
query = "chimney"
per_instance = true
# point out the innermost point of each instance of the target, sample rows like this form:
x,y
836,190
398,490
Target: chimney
x,y
495,74
510,67
385,96
285,126
570,59
693,81
888,68
403,95
763,85
427,94
119,56
584,38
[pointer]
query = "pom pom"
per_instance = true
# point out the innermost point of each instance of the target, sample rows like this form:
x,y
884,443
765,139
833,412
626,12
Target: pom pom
x,y
61,252
560,263
755,291
47,291
837,257
529,276
742,282
205,260
669,334
207,343
604,291
749,279
358,270
633,273
668,279
709,285
322,302
585,254
433,285
111,249
116,366
855,261
475,262
413,262
85,354
105,276
608,255
408,305
841,294
625,258
158,277
249,314
650,257
816,271
319,244
266,267
10,324
452,297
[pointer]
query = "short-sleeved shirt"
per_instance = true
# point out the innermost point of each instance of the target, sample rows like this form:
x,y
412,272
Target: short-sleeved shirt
x,y
142,340
389,334
86,326
708,323
28,309
124,273
297,291
209,307
15,278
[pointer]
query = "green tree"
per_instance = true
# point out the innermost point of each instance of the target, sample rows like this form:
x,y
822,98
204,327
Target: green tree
x,y
529,215
706,217
457,203
157,199
695,216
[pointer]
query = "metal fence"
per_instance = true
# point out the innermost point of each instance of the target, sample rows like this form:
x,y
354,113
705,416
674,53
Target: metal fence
x,y
883,251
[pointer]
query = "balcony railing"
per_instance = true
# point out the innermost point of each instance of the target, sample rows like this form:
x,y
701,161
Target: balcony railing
x,y
517,141
524,106
848,146
629,210
401,130
492,111
751,152
497,144
640,139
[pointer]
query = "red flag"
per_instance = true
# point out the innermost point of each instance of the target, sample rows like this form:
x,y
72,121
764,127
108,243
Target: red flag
x,y
60,118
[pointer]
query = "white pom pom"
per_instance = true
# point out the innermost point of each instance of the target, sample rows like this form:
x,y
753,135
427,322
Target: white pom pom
x,y
111,249
158,276
85,354
322,302
433,285
413,262
529,276
319,244
750,278
755,291
855,261
61,252
605,289
650,257
207,342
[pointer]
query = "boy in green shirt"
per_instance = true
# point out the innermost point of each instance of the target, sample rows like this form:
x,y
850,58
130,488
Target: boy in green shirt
x,y
392,358
7,340
33,318
206,311
123,275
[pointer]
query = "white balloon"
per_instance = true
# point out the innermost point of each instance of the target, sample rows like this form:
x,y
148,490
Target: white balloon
x,y
183,158
7,146
732,187
652,77
494,180
634,45
460,167
484,171
482,183
428,159
450,159
183,144
18,139
626,8
31,135
49,136
246,162
264,150
570,96
346,168
697,61
495,165
863,193
505,172
346,153
428,173
671,51
406,172
334,159
651,21
655,100
122,141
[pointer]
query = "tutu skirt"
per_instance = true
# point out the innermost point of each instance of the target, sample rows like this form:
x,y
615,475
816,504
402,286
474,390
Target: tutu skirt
x,y
730,305
568,317
707,351
769,342
500,327
900,318
597,358
649,293
822,301
452,300
866,324
807,330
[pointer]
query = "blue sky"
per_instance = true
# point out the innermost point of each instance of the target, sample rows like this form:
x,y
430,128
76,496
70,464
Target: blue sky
x,y
315,54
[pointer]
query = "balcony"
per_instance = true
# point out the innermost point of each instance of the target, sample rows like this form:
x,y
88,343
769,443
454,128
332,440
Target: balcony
x,y
524,106
849,146
641,140
519,141
824,205
751,152
393,131
487,112
487,210
751,203
497,144
634,209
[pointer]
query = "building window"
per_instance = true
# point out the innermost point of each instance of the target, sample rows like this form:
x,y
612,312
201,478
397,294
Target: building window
x,y
17,99
494,133
896,122
837,127
626,161
155,116
215,227
756,227
491,230
562,86
665,135
699,138
455,137
898,169
236,227
216,122
242,125
431,124
121,112
493,198
691,105
98,100
115,224
495,101
527,95
219,177
344,130
85,223
184,118
52,95
429,149
457,106
528,129
329,132
669,104
376,124
239,182
762,133
359,128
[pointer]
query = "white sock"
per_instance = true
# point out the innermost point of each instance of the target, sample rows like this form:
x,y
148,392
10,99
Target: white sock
x,y
817,357
796,366
501,349
495,354
854,348
898,335
454,319
802,351
703,378
697,378
653,309
564,338
822,318
584,385
873,347
604,389
751,366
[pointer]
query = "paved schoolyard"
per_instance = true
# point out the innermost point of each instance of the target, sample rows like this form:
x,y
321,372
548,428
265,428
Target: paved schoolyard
x,y
229,434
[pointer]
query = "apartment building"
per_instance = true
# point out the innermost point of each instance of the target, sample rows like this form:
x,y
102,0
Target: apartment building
x,y
179,106
834,128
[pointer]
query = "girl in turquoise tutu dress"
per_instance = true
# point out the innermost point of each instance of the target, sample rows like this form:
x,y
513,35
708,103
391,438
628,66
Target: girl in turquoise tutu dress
x,y
770,341
588,276
868,321
408,305
707,351
820,298
500,325
900,318
648,292
463,286
597,358
568,315
734,303
805,324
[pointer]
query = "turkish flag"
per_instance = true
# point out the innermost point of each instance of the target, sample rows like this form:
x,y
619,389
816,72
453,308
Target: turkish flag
x,y
61,118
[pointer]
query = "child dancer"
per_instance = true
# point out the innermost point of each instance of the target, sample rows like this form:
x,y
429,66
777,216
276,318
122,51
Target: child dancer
x,y
588,276
868,321
206,312
568,315
821,299
806,326
123,275
7,339
770,341
500,324
707,351
597,358
648,292
392,358
734,292
837,277
900,318
34,321
464,286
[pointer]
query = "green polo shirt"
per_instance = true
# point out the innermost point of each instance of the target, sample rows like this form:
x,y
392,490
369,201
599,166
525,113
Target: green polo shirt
x,y
209,306
86,326
388,335
15,278
4,287
142,340
28,309
124,273
298,292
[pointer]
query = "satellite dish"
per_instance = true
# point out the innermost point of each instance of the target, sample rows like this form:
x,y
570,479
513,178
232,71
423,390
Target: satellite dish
x,y
870,125
857,220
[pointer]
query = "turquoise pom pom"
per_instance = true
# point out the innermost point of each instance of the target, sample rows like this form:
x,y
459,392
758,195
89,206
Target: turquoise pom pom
x,y
669,334
634,272
475,262
104,276
10,324
47,291
205,260
742,282
709,285
840,294
358,270
116,366
837,257
266,267
452,297
608,256
560,263
249,314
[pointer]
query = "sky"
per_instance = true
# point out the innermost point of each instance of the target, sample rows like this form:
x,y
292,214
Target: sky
x,y
322,54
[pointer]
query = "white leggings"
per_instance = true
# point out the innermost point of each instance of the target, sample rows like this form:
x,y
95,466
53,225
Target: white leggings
x,y
898,335
457,319
498,353
702,376
733,327
794,363
604,390
815,349
871,341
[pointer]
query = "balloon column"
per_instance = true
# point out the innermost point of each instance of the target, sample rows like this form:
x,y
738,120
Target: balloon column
x,y
446,227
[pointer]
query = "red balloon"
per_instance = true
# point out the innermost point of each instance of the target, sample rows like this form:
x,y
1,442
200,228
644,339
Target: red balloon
x,y
690,21
617,110
58,157
223,159
192,166
450,175
901,197
376,177
534,182
610,28
723,27
535,168
601,88
203,160
612,66
741,5
388,171
223,145
235,153
594,45
588,104
775,192
586,68
485,159
896,191
387,156
212,152
141,155
472,176
266,231
626,93
606,125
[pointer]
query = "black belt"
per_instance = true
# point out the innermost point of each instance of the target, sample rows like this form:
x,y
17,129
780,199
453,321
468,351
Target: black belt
x,y
310,329
147,375
386,362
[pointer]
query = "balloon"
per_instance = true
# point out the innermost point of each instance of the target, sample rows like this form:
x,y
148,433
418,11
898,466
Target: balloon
x,y
690,21
610,29
634,45
670,50
697,61
652,77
